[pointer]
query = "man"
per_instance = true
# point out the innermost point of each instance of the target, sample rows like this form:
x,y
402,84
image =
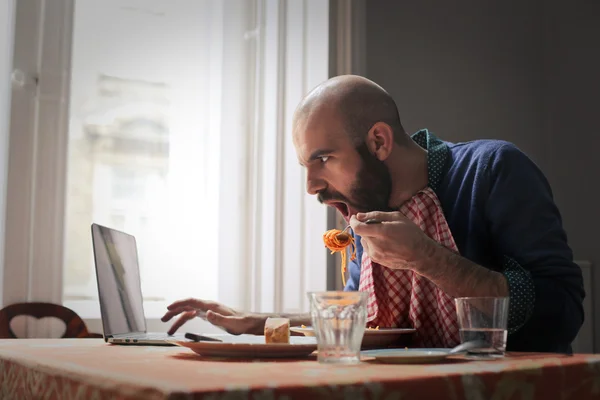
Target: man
x,y
497,204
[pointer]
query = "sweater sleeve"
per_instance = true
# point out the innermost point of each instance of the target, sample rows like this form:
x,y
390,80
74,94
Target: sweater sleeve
x,y
545,285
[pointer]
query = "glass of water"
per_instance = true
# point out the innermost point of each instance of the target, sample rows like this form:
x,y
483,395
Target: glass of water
x,y
483,319
339,320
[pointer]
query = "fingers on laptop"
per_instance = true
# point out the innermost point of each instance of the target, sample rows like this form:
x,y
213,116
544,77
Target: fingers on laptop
x,y
195,303
171,313
185,317
233,325
216,313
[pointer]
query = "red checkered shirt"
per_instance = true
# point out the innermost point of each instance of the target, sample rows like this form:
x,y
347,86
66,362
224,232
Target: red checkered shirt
x,y
401,298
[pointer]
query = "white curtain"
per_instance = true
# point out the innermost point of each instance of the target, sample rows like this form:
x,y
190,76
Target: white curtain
x,y
283,255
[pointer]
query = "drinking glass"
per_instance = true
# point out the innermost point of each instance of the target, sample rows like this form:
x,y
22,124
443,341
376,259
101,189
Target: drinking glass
x,y
339,320
484,319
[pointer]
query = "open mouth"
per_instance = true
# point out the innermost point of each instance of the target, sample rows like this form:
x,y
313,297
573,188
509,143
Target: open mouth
x,y
341,207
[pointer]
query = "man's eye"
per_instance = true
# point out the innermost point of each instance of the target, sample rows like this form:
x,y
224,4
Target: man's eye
x,y
324,158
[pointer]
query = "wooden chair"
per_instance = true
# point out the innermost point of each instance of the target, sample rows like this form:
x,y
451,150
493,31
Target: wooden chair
x,y
75,327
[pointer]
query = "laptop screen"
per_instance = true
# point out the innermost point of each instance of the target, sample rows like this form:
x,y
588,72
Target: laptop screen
x,y
119,286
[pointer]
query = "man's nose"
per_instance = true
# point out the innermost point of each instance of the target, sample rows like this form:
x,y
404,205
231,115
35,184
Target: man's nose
x,y
314,186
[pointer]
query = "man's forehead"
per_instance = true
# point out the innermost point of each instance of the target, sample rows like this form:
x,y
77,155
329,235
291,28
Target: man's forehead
x,y
318,135
320,125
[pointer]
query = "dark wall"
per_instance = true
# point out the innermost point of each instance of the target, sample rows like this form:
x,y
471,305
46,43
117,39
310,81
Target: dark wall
x,y
525,71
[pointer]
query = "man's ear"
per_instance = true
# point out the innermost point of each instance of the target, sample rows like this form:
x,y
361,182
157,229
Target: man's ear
x,y
380,140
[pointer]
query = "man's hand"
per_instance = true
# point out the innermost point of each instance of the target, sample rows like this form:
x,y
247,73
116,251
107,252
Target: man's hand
x,y
396,242
230,320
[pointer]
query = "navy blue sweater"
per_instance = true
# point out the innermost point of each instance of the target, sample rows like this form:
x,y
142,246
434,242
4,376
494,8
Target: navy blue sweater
x,y
500,210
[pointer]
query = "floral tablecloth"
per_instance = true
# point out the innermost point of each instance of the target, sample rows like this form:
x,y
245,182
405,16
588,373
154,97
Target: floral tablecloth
x,y
91,369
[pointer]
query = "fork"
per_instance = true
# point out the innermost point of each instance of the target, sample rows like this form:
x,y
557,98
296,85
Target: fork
x,y
368,222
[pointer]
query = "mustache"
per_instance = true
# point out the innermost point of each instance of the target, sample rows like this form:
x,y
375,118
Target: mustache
x,y
324,196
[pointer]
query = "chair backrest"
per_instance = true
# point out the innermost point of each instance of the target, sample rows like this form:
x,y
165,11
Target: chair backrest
x,y
75,327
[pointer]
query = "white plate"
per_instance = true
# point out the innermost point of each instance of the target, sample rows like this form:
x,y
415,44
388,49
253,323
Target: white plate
x,y
250,346
373,338
407,356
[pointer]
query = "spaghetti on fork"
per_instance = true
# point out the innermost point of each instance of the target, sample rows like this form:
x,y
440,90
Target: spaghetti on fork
x,y
336,241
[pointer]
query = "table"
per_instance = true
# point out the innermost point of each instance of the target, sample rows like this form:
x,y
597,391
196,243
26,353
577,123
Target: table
x,y
92,369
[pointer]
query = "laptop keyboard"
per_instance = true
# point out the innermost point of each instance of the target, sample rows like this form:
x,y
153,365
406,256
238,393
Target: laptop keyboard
x,y
158,336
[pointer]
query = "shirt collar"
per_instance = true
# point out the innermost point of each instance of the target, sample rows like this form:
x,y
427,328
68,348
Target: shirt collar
x,y
437,154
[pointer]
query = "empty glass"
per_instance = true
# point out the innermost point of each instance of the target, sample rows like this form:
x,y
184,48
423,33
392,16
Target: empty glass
x,y
484,319
339,320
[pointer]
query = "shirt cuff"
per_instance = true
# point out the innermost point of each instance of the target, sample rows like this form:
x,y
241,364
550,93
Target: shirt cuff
x,y
521,293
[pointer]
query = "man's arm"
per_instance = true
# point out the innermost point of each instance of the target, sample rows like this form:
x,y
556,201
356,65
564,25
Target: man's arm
x,y
538,273
232,321
532,261
458,276
546,287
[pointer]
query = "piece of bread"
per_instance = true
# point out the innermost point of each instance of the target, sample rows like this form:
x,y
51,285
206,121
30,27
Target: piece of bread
x,y
277,330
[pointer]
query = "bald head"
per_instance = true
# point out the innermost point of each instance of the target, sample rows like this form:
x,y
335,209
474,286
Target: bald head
x,y
359,103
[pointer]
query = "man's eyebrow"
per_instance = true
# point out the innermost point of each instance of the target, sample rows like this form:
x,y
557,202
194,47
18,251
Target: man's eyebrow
x,y
319,153
316,155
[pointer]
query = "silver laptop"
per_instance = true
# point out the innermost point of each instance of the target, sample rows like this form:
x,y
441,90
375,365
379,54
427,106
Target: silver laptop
x,y
120,291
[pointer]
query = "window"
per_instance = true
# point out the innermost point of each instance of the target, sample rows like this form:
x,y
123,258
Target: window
x,y
139,141
173,123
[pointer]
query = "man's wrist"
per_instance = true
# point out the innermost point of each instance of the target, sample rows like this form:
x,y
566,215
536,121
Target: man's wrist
x,y
256,323
432,261
458,276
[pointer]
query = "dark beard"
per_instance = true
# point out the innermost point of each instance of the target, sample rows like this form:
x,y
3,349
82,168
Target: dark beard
x,y
372,187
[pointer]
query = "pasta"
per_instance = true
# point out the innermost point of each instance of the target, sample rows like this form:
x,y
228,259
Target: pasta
x,y
336,241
